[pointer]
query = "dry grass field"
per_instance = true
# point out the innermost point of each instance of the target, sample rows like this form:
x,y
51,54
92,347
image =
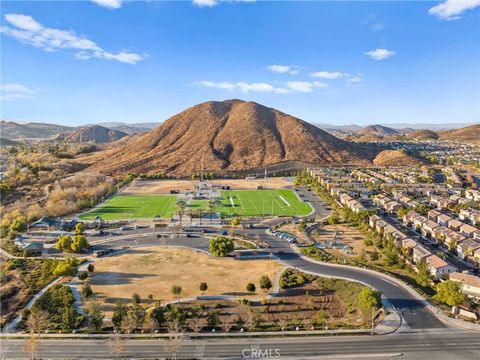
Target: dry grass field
x,y
347,234
153,187
154,270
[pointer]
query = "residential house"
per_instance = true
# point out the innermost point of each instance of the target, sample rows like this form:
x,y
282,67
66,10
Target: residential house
x,y
454,224
379,226
468,230
372,220
466,248
428,227
420,252
439,268
433,215
444,219
470,284
419,221
439,234
408,244
465,214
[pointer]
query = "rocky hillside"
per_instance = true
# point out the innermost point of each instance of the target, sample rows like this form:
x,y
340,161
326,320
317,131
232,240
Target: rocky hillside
x,y
12,131
394,158
470,134
94,134
231,135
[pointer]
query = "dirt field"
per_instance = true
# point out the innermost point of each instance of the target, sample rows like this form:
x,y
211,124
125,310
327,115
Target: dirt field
x,y
347,234
154,270
152,187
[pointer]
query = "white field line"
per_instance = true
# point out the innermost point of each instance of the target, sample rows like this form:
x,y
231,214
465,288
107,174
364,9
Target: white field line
x,y
231,202
286,202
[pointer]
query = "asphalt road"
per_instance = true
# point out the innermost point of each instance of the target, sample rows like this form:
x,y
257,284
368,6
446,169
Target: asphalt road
x,y
440,345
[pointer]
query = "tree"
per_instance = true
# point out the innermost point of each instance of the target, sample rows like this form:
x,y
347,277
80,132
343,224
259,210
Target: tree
x,y
158,313
176,290
86,291
79,229
134,318
213,319
68,318
235,221
251,288
221,246
370,298
449,292
79,243
91,268
38,321
95,316
64,243
265,283
83,276
18,225
203,287
119,314
67,267
423,275
136,299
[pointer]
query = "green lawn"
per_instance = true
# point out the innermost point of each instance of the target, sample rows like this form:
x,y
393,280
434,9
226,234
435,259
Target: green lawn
x,y
245,203
262,202
134,207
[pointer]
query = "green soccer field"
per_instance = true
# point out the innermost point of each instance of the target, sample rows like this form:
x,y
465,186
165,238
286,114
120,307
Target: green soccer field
x,y
134,207
262,203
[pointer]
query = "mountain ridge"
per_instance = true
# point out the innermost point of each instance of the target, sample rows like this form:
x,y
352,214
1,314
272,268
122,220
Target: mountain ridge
x,y
231,135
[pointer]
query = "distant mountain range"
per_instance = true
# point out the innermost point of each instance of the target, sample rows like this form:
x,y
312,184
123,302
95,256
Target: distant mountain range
x,y
403,127
13,131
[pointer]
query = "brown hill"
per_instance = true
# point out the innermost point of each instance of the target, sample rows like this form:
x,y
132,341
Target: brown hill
x,y
377,130
394,158
470,134
231,135
422,135
94,134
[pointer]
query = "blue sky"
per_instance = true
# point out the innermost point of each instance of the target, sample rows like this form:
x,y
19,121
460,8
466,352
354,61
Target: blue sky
x,y
78,62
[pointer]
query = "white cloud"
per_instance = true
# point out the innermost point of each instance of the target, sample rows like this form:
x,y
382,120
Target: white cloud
x,y
205,3
28,31
242,86
305,86
16,91
212,3
380,54
451,9
283,91
284,69
356,79
262,87
377,27
111,4
328,75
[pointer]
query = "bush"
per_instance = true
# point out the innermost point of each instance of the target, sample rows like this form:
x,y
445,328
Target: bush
x,y
291,278
83,275
86,291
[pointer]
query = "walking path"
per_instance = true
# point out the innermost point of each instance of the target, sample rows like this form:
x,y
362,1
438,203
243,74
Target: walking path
x,y
13,324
